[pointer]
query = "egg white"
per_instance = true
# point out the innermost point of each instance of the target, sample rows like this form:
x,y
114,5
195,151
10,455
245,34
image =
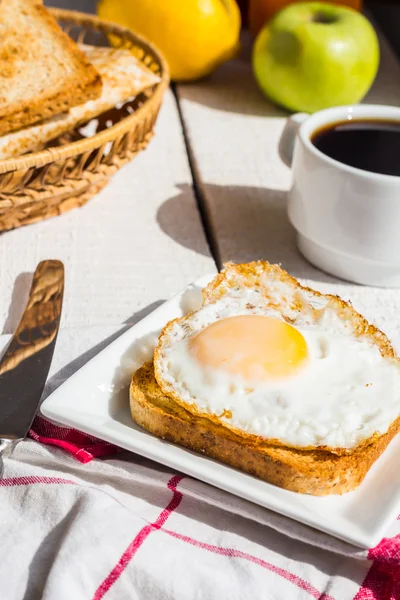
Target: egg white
x,y
345,393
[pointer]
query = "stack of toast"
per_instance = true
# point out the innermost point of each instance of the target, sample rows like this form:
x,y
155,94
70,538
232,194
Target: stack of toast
x,y
49,84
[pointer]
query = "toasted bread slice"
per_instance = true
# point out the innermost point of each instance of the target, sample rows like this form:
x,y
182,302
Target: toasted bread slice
x,y
295,304
42,71
316,472
308,464
123,77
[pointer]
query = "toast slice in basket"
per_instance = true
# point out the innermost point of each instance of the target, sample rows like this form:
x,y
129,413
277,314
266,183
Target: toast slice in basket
x,y
42,71
316,469
123,76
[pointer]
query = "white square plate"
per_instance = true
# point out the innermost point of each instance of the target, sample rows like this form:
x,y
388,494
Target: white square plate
x,y
96,401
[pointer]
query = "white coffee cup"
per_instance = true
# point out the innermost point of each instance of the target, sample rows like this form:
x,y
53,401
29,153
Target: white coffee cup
x,y
347,220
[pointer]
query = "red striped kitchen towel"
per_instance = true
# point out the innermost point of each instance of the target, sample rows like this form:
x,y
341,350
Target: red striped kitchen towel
x,y
82,446
382,580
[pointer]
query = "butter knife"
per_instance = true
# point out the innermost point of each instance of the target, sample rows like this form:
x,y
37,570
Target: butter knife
x,y
25,365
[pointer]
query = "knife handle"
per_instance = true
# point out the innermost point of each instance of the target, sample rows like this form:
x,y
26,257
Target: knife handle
x,y
40,321
25,364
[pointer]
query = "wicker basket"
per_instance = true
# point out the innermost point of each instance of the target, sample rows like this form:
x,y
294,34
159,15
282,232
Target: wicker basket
x,y
69,171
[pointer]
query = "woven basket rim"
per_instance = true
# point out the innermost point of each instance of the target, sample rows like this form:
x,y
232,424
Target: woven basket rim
x,y
53,154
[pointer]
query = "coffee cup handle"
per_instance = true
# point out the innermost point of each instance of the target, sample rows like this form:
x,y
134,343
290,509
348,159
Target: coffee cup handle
x,y
288,137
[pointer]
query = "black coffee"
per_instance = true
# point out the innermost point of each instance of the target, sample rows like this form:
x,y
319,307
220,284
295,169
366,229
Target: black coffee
x,y
371,145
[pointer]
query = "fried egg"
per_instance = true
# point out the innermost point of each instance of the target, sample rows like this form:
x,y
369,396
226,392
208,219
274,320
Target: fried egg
x,y
265,357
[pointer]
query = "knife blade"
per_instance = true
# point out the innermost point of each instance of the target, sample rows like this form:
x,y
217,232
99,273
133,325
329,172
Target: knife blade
x,y
25,365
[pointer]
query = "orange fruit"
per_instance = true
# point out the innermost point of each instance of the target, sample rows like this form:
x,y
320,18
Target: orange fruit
x,y
195,36
260,11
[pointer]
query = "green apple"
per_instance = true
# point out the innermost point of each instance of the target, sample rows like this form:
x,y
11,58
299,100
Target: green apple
x,y
314,55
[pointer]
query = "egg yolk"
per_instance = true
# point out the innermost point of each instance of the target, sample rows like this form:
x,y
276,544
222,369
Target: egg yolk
x,y
254,347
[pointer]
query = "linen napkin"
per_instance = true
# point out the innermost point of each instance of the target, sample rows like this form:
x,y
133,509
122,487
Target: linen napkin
x,y
200,527
85,447
82,446
124,527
